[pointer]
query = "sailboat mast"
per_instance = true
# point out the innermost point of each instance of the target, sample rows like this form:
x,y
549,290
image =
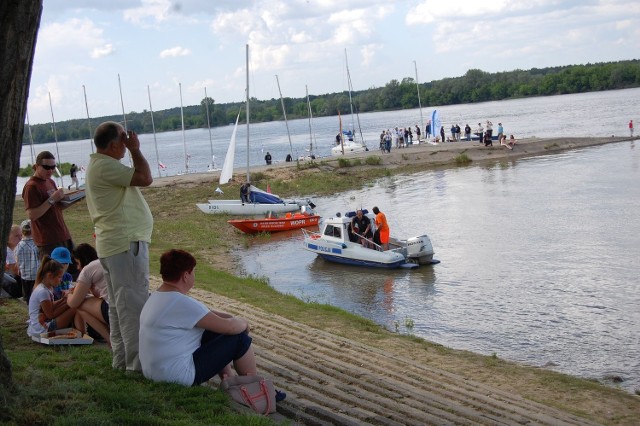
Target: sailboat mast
x,y
418,89
346,61
206,104
153,128
86,105
310,121
30,139
284,114
184,139
124,116
248,113
55,138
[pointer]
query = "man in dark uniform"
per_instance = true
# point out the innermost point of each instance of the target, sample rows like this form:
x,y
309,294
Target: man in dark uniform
x,y
361,225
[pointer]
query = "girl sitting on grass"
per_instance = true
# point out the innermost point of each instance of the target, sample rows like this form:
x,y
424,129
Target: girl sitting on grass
x,y
89,295
45,314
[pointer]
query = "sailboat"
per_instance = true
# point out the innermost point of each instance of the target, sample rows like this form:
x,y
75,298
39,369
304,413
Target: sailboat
x,y
346,143
260,202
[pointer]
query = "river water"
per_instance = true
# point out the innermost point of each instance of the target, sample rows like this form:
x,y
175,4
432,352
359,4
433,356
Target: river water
x,y
539,261
539,255
587,114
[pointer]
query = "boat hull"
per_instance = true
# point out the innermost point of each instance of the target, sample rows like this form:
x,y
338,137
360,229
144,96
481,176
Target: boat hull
x,y
353,254
253,226
350,148
235,207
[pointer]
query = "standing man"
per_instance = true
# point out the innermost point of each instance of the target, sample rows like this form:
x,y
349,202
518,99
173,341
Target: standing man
x,y
382,228
267,158
123,224
631,127
74,178
42,203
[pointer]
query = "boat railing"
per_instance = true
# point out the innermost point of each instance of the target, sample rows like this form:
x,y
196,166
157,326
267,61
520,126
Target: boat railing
x,y
310,234
372,244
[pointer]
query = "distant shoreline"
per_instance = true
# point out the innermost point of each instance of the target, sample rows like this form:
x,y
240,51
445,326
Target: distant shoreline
x,y
415,156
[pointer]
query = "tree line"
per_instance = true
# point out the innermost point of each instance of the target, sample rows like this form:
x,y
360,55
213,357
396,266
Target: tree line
x,y
475,86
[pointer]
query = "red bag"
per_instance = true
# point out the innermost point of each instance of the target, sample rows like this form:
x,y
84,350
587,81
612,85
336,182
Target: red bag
x,y
255,392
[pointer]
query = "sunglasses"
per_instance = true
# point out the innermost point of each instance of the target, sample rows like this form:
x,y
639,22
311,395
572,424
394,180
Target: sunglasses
x,y
47,167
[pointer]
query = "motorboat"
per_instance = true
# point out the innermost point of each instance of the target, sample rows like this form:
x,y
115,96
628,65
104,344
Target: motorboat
x,y
273,223
336,242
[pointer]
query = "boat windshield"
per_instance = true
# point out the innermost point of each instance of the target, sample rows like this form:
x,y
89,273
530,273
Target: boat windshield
x,y
333,231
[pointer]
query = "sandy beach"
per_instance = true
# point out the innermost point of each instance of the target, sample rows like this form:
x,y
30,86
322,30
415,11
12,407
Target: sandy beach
x,y
413,158
333,376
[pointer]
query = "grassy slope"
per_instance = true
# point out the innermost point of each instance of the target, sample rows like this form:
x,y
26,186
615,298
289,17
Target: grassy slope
x,y
88,388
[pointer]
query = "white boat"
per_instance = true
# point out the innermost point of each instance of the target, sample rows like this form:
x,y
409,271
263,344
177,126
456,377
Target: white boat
x,y
260,202
234,207
265,203
333,243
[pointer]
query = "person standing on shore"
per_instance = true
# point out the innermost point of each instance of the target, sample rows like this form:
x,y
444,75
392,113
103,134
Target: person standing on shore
x,y
631,127
123,224
267,158
467,132
500,132
42,203
73,172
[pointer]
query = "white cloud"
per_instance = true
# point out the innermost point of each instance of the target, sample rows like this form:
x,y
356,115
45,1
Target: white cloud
x,y
69,37
175,52
155,11
100,52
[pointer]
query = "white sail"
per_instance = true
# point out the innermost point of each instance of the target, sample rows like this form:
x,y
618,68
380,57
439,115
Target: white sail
x,y
227,168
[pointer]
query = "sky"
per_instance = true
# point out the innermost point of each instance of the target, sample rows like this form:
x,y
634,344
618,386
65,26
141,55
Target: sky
x,y
159,49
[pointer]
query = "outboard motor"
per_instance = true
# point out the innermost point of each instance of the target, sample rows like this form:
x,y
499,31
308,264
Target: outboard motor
x,y
420,250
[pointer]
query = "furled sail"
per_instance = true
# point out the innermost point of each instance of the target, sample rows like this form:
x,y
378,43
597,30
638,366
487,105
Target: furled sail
x,y
227,168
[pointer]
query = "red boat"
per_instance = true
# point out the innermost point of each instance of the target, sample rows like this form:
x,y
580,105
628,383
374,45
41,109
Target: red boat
x,y
275,224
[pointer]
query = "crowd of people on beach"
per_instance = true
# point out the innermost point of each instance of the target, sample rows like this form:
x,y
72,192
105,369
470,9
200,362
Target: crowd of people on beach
x,y
102,289
403,137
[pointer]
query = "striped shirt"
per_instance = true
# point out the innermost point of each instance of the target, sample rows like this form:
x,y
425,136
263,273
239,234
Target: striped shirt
x,y
28,261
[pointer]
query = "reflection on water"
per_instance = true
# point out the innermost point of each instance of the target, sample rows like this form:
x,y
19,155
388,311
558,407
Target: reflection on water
x,y
539,260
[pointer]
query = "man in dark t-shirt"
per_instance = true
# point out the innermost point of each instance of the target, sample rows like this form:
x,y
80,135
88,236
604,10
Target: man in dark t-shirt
x,y
361,225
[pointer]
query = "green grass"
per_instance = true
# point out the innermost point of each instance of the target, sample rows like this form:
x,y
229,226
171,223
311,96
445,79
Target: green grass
x,y
76,385
88,391
462,159
27,170
373,160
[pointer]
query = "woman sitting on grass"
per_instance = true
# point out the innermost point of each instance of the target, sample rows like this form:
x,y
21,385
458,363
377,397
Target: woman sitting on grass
x,y
182,340
89,295
45,314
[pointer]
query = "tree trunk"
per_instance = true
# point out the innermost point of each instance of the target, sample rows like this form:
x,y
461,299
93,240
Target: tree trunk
x,y
19,22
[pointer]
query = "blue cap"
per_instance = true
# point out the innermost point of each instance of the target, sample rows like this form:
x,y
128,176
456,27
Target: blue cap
x,y
61,255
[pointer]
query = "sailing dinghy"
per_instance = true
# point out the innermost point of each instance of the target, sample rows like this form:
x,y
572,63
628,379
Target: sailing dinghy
x,y
260,202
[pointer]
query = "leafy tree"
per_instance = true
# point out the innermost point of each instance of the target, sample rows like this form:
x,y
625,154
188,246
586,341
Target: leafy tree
x,y
475,86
